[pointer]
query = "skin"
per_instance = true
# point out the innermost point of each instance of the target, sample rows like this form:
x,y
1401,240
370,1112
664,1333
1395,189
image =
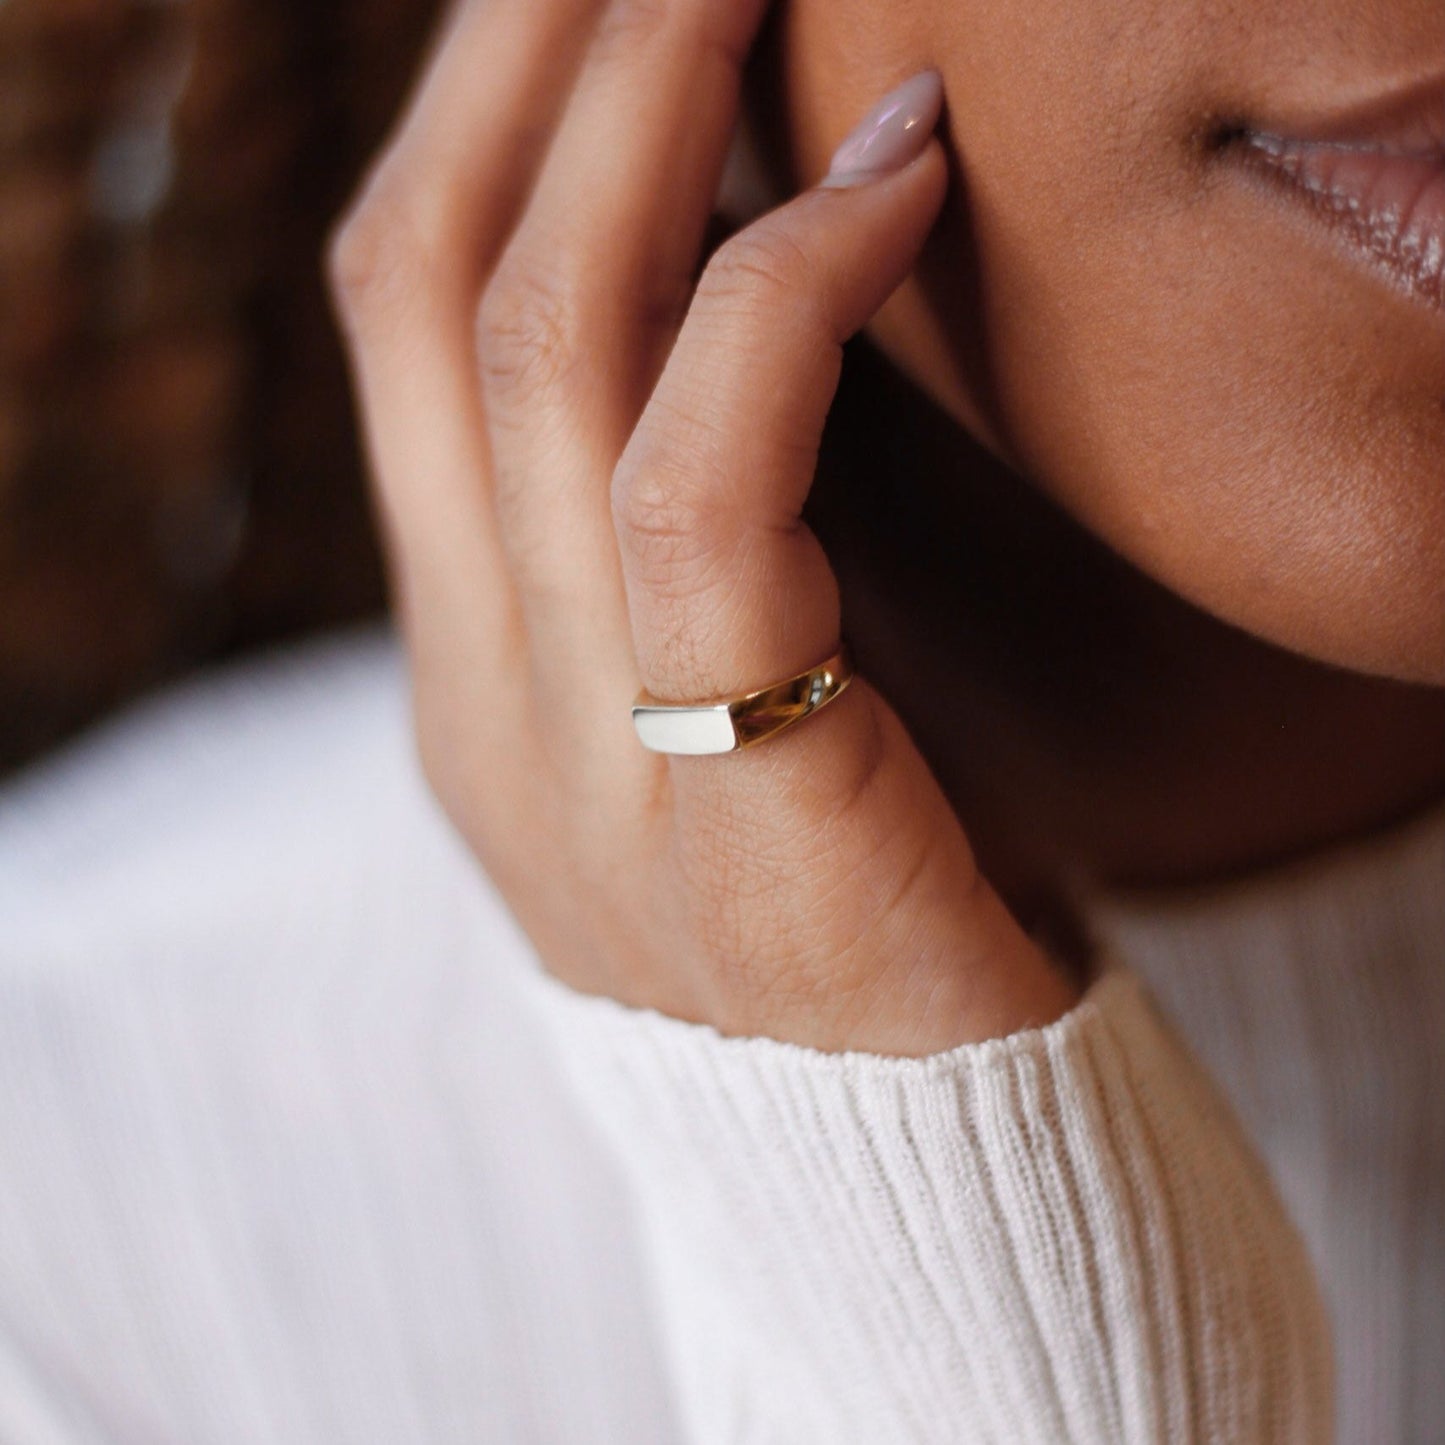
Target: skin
x,y
592,468
1152,338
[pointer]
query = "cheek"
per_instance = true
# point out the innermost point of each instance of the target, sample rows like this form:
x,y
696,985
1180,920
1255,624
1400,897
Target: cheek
x,y
1175,356
1242,417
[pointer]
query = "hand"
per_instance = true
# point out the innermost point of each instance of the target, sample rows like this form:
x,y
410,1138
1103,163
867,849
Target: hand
x,y
591,469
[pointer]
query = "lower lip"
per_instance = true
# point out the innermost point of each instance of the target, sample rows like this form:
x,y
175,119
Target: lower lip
x,y
1389,205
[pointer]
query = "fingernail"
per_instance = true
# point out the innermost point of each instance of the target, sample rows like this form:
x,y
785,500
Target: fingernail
x,y
893,133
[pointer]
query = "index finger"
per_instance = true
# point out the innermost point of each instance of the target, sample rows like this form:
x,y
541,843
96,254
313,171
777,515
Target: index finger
x,y
727,590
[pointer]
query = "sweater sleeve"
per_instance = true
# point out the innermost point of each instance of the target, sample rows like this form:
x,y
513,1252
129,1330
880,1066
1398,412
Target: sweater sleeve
x,y
1058,1236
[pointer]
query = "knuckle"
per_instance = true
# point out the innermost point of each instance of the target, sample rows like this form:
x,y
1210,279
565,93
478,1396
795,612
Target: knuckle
x,y
527,326
651,503
664,526
684,431
630,25
707,30
756,271
380,257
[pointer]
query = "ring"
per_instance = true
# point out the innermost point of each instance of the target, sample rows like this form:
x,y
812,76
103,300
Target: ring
x,y
731,723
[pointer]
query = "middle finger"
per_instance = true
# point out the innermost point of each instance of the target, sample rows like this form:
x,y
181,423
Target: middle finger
x,y
575,324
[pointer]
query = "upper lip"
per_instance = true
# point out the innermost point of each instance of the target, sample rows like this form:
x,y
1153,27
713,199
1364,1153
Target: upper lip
x,y
1407,119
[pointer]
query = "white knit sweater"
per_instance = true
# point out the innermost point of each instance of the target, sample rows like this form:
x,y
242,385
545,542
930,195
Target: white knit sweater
x,y
298,1145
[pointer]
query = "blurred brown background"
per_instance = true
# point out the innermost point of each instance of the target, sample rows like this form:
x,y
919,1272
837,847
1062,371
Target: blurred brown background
x,y
179,478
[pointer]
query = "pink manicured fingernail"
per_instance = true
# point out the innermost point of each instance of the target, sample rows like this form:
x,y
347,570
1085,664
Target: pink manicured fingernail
x,y
891,134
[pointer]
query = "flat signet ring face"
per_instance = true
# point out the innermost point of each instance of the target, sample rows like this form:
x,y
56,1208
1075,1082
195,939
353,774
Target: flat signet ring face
x,y
726,725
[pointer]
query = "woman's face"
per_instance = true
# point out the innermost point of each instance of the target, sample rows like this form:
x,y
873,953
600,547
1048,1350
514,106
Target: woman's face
x,y
1193,353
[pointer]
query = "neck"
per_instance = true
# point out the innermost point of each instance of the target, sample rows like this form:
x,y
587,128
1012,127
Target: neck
x,y
1082,719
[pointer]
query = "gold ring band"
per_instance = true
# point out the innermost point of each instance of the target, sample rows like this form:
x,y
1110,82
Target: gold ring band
x,y
729,724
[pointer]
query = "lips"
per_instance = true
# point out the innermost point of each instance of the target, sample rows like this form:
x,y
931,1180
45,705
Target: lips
x,y
1376,176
